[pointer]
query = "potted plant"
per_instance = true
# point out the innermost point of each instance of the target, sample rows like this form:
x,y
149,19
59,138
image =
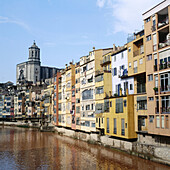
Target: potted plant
x,y
115,95
155,89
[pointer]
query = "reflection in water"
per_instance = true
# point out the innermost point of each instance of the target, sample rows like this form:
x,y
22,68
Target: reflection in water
x,y
31,149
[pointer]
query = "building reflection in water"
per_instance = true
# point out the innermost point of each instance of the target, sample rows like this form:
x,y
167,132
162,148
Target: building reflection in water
x,y
30,149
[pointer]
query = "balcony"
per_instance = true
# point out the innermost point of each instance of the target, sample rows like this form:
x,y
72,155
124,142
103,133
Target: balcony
x,y
164,65
162,20
105,61
165,110
164,44
141,88
98,72
138,52
165,88
123,73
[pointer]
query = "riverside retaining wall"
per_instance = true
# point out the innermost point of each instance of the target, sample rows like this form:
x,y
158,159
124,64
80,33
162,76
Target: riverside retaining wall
x,y
155,153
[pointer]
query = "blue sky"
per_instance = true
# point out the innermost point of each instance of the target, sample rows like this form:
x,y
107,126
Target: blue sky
x,y
64,30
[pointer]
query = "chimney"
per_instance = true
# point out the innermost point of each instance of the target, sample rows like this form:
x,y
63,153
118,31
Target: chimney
x,y
114,47
66,65
93,48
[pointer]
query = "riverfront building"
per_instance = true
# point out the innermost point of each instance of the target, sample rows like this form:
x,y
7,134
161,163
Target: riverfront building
x,y
157,54
137,69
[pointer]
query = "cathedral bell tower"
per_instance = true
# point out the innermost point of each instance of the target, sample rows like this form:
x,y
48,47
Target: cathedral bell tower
x,y
34,53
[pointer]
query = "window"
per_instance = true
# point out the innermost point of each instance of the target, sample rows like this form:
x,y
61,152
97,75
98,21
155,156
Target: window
x,y
82,107
166,122
106,106
148,38
122,55
115,71
78,109
90,80
110,104
129,49
165,82
114,58
99,90
135,65
93,124
162,122
99,78
157,122
165,100
115,126
149,57
87,107
130,65
147,20
107,130
99,108
151,118
131,86
77,100
140,61
59,106
150,77
142,103
119,105
91,106
87,94
123,127
125,103
151,98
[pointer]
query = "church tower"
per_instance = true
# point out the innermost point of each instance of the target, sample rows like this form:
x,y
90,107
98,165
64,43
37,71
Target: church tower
x,y
34,63
34,53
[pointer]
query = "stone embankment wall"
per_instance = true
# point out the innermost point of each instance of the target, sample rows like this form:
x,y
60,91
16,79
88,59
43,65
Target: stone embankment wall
x,y
159,154
152,152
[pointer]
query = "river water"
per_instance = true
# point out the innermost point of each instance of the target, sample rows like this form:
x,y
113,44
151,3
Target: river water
x,y
22,148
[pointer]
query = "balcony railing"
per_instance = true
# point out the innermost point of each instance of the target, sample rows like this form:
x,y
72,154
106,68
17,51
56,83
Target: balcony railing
x,y
164,65
123,73
163,22
105,61
164,44
165,110
138,52
165,88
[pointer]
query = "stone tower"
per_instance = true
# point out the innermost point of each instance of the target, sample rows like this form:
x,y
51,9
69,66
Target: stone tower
x,y
34,53
34,63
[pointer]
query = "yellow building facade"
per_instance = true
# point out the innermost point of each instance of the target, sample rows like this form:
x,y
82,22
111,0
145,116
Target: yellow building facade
x,y
137,69
119,118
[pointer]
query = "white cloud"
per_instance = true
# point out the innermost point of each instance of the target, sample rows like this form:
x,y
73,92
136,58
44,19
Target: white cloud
x,y
127,14
14,21
100,3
